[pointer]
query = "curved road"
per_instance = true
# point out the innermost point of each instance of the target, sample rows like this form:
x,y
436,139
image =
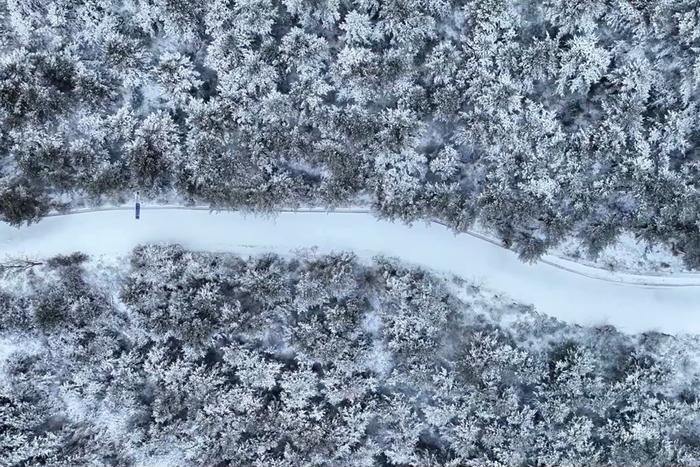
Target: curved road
x,y
558,287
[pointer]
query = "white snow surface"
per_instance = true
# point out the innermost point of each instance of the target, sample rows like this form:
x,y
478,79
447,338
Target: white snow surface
x,y
557,287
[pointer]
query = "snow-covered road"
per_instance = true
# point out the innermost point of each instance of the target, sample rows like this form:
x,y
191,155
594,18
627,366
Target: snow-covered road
x,y
554,286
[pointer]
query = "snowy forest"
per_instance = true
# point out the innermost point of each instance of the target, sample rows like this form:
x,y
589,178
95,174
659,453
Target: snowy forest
x,y
542,121
172,357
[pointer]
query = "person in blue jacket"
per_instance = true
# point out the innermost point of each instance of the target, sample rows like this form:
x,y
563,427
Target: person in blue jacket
x,y
138,206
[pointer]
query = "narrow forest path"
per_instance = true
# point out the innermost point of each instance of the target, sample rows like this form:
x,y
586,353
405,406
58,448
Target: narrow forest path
x,y
561,288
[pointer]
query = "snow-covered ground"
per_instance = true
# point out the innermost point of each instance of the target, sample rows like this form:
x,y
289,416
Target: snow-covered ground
x,y
625,257
602,271
627,254
548,284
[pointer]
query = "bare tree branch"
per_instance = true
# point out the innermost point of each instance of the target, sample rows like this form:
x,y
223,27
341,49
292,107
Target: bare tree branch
x,y
19,265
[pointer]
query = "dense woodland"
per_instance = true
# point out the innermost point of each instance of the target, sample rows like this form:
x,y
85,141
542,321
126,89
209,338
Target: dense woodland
x,y
543,120
181,358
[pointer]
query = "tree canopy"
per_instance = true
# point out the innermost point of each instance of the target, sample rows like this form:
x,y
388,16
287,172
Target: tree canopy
x,y
183,358
542,120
